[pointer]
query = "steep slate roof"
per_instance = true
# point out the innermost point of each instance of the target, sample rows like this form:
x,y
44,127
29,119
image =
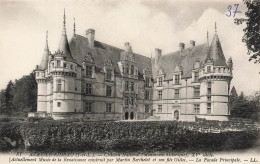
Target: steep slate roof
x,y
216,53
65,48
44,62
79,47
186,59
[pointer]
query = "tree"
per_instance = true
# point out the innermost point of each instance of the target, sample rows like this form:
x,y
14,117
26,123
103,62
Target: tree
x,y
242,107
25,97
7,101
233,95
252,33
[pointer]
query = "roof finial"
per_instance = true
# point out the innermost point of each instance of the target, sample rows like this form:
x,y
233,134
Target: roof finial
x,y
215,27
64,23
47,37
207,36
74,29
46,46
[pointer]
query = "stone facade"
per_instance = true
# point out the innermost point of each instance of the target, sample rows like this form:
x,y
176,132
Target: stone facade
x,y
88,79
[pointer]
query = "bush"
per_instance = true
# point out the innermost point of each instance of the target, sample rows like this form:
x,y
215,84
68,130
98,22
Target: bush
x,y
132,136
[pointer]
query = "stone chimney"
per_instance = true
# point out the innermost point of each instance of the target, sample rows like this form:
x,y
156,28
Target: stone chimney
x,y
127,47
182,46
90,33
158,54
192,44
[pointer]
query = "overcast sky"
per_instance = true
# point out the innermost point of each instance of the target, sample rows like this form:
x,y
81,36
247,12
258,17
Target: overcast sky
x,y
145,24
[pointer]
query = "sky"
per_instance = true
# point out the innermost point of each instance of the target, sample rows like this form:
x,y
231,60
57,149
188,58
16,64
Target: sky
x,y
146,24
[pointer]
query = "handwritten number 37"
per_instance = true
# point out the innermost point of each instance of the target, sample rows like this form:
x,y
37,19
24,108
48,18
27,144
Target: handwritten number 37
x,y
230,13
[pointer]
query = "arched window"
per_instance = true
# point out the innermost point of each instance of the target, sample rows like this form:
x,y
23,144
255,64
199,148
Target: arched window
x,y
132,69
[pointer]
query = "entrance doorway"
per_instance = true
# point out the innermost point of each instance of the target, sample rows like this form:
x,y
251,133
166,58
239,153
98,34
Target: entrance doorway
x,y
126,115
176,115
132,115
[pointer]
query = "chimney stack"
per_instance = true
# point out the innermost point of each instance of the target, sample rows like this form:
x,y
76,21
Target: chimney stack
x,y
158,54
90,33
127,47
192,43
182,46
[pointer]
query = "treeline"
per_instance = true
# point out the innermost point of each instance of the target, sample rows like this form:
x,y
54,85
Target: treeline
x,y
20,96
242,106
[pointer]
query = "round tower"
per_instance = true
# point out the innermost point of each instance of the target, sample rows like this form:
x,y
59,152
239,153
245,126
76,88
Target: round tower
x,y
41,79
215,77
63,71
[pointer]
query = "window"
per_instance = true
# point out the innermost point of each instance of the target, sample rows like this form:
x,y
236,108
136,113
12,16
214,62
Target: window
x,y
177,79
208,69
147,81
209,87
176,93
208,108
64,65
146,108
127,69
147,95
109,91
88,107
196,76
160,81
159,95
196,108
126,86
108,107
196,92
59,85
132,101
159,108
89,71
58,63
88,89
219,70
58,104
37,74
132,86
109,75
209,98
126,101
132,69
71,67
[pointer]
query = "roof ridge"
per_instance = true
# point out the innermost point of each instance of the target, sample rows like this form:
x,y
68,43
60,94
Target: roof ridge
x,y
175,52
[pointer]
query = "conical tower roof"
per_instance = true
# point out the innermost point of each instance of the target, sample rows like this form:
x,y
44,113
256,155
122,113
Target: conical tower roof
x,y
45,57
216,52
64,44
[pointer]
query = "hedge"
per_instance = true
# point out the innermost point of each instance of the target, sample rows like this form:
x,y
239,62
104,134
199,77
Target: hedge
x,y
118,136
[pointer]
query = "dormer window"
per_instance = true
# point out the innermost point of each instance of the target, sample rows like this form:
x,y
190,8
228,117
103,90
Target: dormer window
x,y
160,81
132,69
64,65
127,69
58,63
177,79
196,76
108,75
208,69
89,71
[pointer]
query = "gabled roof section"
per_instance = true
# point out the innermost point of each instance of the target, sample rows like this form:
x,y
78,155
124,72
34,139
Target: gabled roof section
x,y
101,51
185,59
216,52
